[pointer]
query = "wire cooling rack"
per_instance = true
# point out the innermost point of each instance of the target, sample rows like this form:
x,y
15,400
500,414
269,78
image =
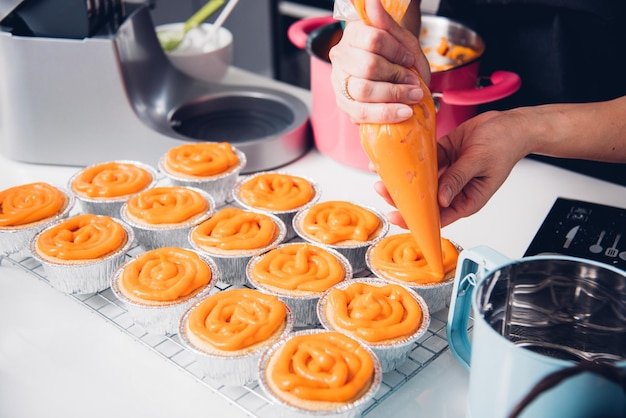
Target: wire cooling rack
x,y
249,398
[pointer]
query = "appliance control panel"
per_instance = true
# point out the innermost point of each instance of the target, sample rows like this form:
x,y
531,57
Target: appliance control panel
x,y
583,229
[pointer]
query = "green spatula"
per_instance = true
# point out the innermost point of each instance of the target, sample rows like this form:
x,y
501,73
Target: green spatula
x,y
169,40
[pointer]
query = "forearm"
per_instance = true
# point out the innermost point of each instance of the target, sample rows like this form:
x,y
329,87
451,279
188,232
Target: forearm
x,y
592,131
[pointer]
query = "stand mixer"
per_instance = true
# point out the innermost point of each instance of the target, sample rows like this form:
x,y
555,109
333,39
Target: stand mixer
x,y
92,84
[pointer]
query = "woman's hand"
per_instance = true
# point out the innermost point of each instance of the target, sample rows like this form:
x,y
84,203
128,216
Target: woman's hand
x,y
373,67
474,160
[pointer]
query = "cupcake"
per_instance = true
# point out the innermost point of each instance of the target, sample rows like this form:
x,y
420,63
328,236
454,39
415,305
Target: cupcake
x,y
79,254
158,286
103,188
387,317
163,216
233,236
298,273
319,373
27,209
277,193
228,331
344,226
209,166
397,258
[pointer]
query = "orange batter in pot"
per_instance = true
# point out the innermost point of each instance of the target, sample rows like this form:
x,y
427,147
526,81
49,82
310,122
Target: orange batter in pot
x,y
82,237
28,203
236,319
405,156
201,159
111,180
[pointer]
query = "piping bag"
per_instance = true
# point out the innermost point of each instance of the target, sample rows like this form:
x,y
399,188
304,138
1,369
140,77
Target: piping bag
x,y
404,155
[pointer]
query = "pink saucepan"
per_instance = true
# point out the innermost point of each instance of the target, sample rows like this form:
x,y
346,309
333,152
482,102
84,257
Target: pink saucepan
x,y
456,89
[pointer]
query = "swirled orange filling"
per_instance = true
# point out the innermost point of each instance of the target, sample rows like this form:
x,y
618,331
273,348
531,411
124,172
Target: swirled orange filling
x,y
28,203
299,267
399,257
235,229
374,313
275,191
82,237
110,180
325,366
165,274
167,205
336,221
201,159
236,319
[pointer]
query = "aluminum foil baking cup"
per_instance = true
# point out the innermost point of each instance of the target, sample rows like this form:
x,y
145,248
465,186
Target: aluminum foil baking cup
x,y
345,410
233,265
390,354
161,317
285,215
229,369
15,241
436,294
355,253
108,206
82,277
302,304
169,235
219,186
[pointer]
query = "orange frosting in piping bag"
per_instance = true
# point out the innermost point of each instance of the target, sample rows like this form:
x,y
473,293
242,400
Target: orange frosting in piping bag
x,y
405,156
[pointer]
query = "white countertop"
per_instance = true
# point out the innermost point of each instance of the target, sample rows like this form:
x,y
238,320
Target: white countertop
x,y
58,358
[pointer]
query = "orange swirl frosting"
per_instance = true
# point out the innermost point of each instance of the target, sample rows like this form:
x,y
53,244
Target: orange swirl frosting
x,y
202,159
82,237
165,274
28,203
398,257
111,180
235,229
326,366
336,221
275,191
237,319
374,313
299,267
167,205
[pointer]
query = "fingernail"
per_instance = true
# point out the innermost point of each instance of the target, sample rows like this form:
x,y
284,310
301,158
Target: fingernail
x,y
405,113
445,196
416,95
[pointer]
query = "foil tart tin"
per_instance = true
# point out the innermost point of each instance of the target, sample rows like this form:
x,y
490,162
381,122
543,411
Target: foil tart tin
x,y
354,253
219,186
285,215
303,305
169,235
82,277
161,318
287,410
436,294
233,369
391,354
233,266
108,206
16,241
